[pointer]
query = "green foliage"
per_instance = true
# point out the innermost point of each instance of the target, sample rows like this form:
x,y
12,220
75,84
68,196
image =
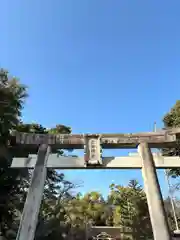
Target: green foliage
x,y
172,119
52,217
60,129
30,128
12,97
130,210
90,208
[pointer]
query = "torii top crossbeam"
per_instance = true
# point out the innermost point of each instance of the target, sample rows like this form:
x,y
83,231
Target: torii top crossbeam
x,y
160,139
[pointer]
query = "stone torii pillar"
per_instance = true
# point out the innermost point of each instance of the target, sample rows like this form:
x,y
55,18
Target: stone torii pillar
x,y
154,197
30,213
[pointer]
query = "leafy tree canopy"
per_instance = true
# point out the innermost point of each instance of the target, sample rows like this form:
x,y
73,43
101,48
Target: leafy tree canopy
x,y
172,119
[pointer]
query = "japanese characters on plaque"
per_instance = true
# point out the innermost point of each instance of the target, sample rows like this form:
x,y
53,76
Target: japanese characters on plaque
x,y
92,150
36,139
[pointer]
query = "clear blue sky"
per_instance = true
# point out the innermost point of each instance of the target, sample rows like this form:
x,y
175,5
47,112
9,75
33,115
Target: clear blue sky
x,y
95,65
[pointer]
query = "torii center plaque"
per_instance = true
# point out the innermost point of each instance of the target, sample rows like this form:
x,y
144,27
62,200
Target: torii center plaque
x,y
93,150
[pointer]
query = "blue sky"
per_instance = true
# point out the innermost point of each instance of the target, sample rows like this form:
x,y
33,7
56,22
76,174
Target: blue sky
x,y
95,65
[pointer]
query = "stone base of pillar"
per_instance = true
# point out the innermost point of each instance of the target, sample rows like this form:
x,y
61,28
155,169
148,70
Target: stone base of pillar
x,y
176,235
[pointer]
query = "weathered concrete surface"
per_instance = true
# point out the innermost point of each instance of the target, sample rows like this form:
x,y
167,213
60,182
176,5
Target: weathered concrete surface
x,y
158,139
128,162
154,196
33,201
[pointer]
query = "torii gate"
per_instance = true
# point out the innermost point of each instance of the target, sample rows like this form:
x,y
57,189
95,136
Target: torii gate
x,y
92,143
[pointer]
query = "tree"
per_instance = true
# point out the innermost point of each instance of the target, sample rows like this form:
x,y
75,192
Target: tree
x,y
89,208
52,218
172,119
131,209
12,97
170,214
86,210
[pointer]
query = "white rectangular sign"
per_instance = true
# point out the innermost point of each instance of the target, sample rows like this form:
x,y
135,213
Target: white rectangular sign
x,y
92,150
